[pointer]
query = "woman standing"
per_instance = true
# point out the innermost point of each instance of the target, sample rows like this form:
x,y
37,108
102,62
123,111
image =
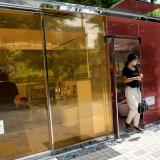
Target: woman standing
x,y
132,79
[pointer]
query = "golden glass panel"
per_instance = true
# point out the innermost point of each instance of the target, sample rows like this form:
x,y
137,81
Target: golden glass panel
x,y
79,79
22,97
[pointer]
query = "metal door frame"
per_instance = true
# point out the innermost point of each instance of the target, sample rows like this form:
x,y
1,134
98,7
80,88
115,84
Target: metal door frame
x,y
112,58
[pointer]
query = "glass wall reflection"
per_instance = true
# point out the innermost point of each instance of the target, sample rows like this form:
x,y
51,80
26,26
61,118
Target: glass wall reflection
x,y
23,115
78,77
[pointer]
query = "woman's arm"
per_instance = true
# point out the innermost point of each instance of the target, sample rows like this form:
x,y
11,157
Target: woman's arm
x,y
127,80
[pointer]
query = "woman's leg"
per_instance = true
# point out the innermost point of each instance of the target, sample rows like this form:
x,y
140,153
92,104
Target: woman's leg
x,y
131,96
131,115
136,119
137,116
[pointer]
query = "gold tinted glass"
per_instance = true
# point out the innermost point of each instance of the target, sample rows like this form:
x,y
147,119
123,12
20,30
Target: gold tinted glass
x,y
23,113
79,79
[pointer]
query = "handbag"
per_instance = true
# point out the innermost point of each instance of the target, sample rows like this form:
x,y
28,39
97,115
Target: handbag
x,y
143,106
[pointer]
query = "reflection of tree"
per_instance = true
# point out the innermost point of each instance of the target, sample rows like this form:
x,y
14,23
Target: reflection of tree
x,y
57,22
65,61
69,54
69,57
21,64
95,21
25,21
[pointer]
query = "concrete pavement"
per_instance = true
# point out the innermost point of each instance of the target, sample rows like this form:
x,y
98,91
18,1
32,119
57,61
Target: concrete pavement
x,y
138,146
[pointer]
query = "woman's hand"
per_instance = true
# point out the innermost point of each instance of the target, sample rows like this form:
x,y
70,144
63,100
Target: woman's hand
x,y
141,75
127,80
138,78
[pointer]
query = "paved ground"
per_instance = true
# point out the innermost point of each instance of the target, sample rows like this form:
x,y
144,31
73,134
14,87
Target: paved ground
x,y
138,146
133,146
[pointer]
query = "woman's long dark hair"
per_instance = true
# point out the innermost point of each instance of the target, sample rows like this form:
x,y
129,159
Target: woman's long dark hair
x,y
130,58
127,63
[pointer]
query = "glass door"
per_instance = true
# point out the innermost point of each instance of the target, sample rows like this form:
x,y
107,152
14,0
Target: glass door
x,y
78,77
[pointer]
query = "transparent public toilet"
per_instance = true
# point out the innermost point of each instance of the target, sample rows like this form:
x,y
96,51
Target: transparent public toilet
x,y
67,64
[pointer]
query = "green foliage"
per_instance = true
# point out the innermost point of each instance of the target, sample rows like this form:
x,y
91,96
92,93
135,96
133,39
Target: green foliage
x,y
153,1
96,3
155,13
